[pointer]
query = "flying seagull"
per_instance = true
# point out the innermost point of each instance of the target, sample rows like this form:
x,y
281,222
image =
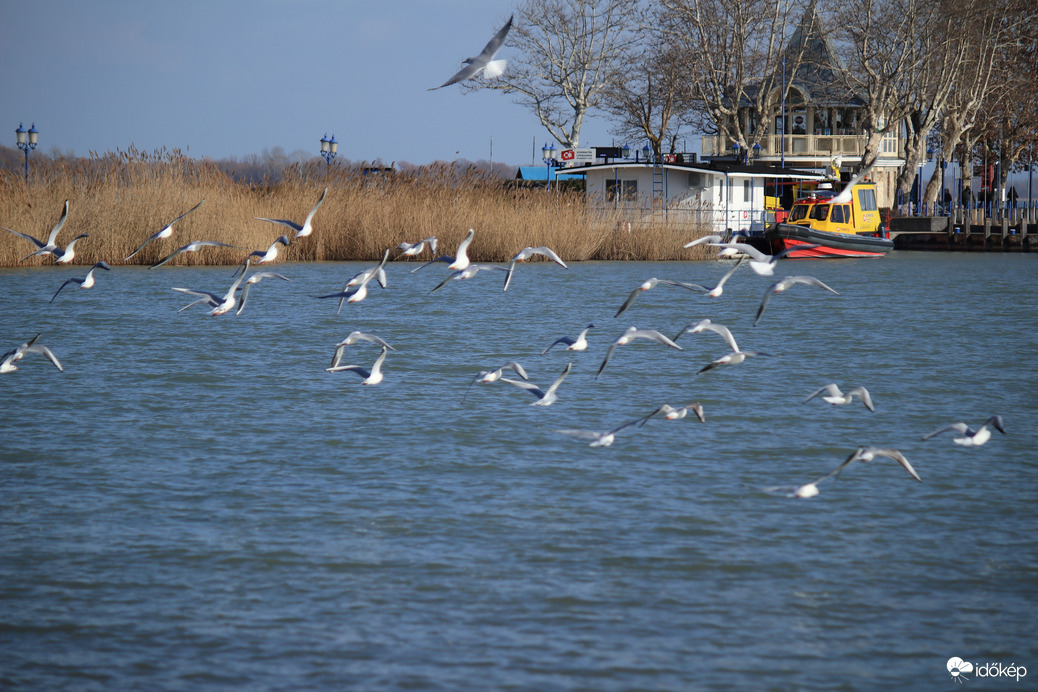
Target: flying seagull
x,y
630,335
835,396
304,229
784,285
968,437
253,279
703,325
411,249
651,284
460,260
166,231
578,344
467,273
484,62
677,412
528,252
86,282
193,246
8,360
352,338
487,376
845,194
373,376
43,248
761,263
599,438
545,397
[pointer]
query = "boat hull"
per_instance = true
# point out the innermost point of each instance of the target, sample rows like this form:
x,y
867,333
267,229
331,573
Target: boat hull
x,y
783,236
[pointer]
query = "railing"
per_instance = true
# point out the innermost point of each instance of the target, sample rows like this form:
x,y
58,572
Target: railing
x,y
795,145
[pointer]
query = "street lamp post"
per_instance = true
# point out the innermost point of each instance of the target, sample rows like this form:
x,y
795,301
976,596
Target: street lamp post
x,y
329,148
550,156
27,141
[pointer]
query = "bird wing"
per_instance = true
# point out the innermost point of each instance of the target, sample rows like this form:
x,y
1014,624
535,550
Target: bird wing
x,y
284,222
67,282
845,194
155,235
442,258
831,388
528,386
40,348
474,65
310,216
558,380
653,335
568,340
57,227
865,397
609,354
37,243
958,427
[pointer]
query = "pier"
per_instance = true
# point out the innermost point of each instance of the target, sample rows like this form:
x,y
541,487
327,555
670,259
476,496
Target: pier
x,y
967,230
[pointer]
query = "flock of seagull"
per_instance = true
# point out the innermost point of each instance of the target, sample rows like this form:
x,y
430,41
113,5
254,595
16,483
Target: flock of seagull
x,y
460,268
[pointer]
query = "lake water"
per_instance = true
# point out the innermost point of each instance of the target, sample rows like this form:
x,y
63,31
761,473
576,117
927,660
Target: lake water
x,y
196,504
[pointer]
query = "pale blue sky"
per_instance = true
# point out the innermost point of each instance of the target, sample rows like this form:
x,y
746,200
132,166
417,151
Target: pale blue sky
x,y
225,78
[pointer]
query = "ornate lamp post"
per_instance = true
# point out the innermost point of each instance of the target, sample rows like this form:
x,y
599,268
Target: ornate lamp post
x,y
626,151
27,141
550,156
329,148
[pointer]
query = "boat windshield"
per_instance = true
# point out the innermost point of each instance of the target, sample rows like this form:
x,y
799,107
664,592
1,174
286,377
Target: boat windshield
x,y
799,212
820,212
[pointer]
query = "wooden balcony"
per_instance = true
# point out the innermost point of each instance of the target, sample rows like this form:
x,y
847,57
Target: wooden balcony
x,y
821,146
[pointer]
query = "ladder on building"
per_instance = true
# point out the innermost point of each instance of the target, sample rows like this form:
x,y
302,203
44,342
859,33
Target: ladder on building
x,y
658,193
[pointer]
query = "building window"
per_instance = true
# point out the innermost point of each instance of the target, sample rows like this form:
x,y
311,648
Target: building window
x,y
628,190
867,200
747,191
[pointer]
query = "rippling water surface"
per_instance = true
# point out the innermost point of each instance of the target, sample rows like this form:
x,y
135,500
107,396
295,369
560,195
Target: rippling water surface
x,y
196,504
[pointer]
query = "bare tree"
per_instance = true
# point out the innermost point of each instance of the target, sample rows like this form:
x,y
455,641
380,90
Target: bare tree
x,y
733,52
884,54
652,99
571,52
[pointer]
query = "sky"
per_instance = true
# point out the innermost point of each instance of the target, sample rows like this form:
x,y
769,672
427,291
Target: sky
x,y
231,78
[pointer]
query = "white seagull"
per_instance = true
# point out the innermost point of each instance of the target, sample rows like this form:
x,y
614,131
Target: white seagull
x,y
356,289
220,304
460,260
43,248
68,254
488,376
968,437
678,412
834,396
411,249
467,273
703,325
784,285
304,229
253,279
353,338
373,376
630,335
732,358
86,282
599,438
264,256
8,360
578,344
761,263
870,453
845,194
193,246
166,231
651,284
484,62
528,252
545,397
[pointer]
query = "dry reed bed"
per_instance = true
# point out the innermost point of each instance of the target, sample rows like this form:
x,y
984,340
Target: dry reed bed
x,y
121,199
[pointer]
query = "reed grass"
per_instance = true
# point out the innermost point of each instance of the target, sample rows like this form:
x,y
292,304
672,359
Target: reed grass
x,y
122,198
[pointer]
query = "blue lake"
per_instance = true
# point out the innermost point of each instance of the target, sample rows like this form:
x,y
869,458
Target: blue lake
x,y
194,503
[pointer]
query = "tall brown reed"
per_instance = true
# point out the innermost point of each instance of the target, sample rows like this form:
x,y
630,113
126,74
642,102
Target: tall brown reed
x,y
121,198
